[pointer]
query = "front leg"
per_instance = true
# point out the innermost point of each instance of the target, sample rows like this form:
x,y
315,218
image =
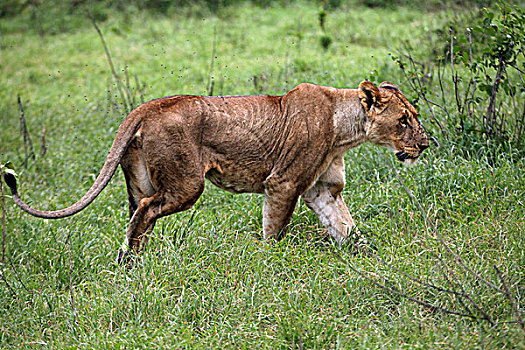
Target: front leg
x,y
331,211
325,199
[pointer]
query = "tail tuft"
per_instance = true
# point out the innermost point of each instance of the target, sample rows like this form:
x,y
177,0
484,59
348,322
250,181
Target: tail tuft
x,y
10,180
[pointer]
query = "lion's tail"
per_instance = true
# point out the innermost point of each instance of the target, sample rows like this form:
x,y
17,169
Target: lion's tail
x,y
124,136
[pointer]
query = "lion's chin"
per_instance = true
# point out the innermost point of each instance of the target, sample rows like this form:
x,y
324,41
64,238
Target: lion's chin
x,y
406,158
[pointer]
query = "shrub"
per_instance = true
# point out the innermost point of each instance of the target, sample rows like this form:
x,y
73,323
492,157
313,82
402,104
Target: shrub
x,y
481,61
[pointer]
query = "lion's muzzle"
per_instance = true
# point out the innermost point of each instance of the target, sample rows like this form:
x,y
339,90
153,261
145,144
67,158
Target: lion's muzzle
x,y
402,156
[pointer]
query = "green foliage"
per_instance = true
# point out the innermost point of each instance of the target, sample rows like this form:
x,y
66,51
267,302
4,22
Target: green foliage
x,y
429,4
325,41
482,61
503,31
322,19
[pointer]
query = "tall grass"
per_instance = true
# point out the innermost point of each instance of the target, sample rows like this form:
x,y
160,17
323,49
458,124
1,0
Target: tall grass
x,y
207,280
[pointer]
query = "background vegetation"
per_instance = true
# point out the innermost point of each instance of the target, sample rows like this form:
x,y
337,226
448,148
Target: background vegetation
x,y
447,232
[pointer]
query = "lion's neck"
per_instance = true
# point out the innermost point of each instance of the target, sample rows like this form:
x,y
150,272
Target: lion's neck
x,y
350,120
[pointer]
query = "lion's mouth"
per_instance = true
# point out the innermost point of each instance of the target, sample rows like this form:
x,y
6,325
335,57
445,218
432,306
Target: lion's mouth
x,y
403,156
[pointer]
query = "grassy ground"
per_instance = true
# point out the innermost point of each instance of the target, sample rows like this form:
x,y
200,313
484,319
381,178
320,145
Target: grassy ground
x,y
206,279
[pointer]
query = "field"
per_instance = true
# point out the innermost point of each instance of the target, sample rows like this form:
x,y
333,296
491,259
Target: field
x,y
207,280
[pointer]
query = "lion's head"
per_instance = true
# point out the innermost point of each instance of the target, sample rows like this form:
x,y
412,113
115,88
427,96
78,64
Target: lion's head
x,y
393,121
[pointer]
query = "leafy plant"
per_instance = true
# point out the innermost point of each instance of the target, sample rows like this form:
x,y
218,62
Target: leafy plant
x,y
483,63
325,41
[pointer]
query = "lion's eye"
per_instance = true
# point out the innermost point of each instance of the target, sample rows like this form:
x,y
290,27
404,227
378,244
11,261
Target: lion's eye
x,y
403,121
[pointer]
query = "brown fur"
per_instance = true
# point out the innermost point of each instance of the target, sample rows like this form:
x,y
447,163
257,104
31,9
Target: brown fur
x,y
281,146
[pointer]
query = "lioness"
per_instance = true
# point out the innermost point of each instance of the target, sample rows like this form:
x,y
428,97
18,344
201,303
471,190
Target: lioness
x,y
282,146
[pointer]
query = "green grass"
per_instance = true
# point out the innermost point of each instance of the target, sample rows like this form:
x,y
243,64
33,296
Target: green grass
x,y
207,280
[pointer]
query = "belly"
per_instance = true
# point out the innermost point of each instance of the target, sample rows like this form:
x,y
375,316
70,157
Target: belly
x,y
236,181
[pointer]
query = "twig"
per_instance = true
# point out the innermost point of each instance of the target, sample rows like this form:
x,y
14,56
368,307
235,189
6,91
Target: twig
x,y
184,231
131,99
388,289
40,290
19,279
112,105
456,257
454,73
461,294
43,149
71,282
442,242
421,94
465,294
443,95
108,56
3,216
490,117
211,83
412,278
516,112
509,297
440,237
13,293
25,133
472,81
520,72
139,89
520,129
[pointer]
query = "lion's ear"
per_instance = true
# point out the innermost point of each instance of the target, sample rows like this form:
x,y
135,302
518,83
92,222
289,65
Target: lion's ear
x,y
368,94
388,85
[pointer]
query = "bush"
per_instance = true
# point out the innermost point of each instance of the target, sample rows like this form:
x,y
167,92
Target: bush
x,y
481,61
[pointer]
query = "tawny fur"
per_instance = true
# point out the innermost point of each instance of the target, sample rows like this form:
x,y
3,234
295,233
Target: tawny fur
x,y
281,146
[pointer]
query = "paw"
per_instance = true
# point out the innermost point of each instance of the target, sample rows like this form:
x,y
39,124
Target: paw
x,y
360,242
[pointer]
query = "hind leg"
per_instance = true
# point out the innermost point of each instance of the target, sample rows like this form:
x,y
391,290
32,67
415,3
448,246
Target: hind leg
x,y
134,200
165,177
173,191
123,253
164,202
135,197
139,186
